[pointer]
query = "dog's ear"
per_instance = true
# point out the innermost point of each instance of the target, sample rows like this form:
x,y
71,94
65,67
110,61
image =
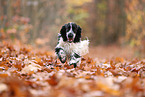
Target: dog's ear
x,y
63,32
78,34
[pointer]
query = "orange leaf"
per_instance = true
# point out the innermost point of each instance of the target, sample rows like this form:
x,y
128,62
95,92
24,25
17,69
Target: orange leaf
x,y
3,75
53,81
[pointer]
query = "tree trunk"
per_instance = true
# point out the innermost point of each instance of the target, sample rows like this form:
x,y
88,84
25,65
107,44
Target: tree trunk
x,y
115,21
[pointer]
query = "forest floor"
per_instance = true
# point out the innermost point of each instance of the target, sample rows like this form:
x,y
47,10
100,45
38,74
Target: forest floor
x,y
103,52
105,72
111,51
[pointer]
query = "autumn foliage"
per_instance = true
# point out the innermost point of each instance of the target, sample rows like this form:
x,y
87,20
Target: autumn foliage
x,y
104,22
28,73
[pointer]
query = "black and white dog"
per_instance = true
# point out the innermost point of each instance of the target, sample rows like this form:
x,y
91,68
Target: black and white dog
x,y
69,46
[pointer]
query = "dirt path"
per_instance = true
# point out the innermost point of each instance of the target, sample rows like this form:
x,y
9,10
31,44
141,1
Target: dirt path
x,y
110,51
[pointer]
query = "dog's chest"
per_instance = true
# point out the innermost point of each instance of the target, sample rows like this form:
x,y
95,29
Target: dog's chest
x,y
71,47
80,48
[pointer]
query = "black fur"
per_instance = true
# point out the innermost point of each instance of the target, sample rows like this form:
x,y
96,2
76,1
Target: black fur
x,y
57,50
74,56
74,64
78,35
63,32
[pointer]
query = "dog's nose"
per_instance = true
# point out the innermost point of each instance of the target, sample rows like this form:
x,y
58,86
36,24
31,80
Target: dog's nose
x,y
70,35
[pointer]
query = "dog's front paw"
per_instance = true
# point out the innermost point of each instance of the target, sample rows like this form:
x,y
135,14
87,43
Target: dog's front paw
x,y
75,60
74,64
62,56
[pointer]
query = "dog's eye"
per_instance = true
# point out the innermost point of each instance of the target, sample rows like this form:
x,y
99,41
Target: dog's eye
x,y
74,27
68,28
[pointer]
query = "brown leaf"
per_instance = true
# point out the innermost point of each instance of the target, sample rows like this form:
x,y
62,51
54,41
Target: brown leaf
x,y
53,81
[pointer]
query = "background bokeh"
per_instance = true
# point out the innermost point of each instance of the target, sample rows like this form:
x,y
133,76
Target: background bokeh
x,y
104,22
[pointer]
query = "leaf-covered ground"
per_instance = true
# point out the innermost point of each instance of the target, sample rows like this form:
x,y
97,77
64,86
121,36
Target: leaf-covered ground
x,y
26,73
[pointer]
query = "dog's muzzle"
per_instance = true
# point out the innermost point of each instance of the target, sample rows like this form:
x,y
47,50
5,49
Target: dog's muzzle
x,y
70,37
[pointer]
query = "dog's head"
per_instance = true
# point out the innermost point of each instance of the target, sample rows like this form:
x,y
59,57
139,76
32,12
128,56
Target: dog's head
x,y
71,32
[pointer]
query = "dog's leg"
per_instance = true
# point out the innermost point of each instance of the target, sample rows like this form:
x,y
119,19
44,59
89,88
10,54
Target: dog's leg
x,y
60,54
75,59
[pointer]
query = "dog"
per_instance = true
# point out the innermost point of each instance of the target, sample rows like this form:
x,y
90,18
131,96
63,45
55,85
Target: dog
x,y
69,46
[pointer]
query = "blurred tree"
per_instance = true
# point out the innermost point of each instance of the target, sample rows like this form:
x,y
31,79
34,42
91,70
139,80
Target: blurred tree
x,y
13,24
107,20
103,21
136,25
44,16
115,21
96,20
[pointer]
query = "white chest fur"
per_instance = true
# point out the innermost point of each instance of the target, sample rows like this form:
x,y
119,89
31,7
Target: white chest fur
x,y
80,48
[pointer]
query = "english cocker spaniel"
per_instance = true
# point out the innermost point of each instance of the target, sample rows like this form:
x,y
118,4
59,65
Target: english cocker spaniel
x,y
69,46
